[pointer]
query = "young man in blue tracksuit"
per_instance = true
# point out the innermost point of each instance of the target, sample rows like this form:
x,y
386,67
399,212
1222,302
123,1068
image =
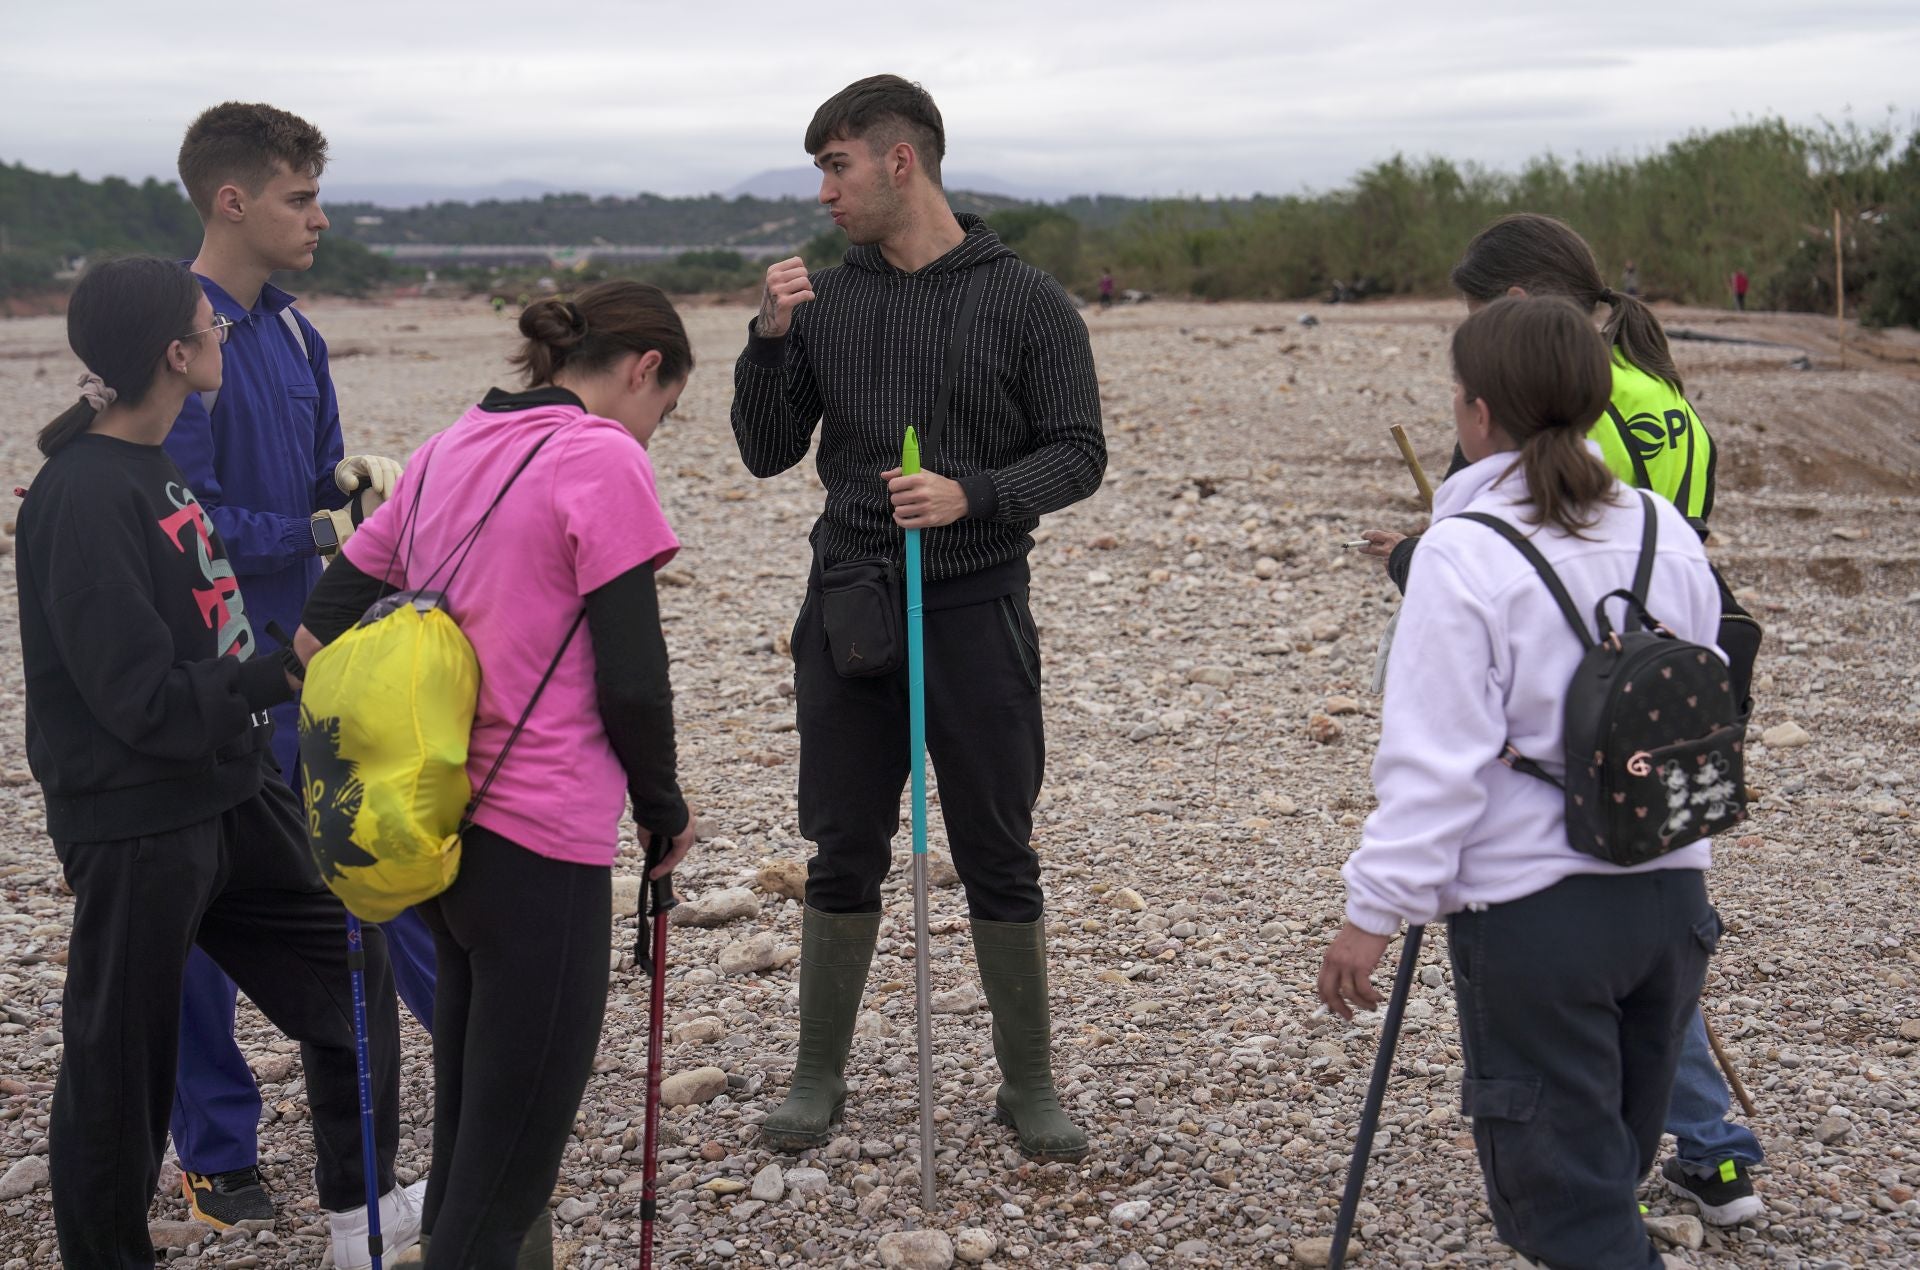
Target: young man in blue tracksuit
x,y
264,456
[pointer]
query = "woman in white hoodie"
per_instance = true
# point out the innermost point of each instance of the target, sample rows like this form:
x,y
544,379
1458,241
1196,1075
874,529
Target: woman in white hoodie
x,y
1574,977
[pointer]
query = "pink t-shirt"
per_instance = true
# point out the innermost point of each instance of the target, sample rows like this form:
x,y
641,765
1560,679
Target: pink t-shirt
x,y
582,513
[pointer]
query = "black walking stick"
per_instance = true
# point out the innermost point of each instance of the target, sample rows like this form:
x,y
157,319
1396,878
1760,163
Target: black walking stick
x,y
1376,1090
654,962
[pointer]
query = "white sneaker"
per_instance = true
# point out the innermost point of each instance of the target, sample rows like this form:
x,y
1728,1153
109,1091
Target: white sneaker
x,y
399,1228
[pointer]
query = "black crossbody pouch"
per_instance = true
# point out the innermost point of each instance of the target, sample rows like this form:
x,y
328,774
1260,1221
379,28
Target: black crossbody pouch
x,y
861,607
863,602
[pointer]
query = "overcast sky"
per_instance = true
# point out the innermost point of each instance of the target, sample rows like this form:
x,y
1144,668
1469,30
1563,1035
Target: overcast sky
x,y
1219,97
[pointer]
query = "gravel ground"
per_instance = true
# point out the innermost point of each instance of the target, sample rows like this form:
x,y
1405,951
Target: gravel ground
x,y
1197,615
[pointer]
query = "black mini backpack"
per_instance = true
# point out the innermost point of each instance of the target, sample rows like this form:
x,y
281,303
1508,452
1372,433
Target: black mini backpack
x,y
1653,737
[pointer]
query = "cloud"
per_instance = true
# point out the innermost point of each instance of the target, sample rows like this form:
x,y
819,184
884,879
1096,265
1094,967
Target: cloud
x,y
1215,96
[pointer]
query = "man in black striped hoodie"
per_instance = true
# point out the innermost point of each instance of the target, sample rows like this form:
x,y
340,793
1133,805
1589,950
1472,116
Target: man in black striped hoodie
x,y
860,351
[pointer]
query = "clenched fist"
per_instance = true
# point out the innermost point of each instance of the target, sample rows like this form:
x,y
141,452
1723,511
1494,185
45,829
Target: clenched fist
x,y
787,286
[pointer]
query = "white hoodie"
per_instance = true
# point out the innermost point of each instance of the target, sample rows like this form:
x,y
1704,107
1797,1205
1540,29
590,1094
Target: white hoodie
x,y
1483,654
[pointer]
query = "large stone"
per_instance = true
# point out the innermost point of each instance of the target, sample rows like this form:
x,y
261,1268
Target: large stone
x,y
916,1250
783,877
1324,728
940,870
27,1175
1316,1251
964,999
974,1245
626,895
1680,1229
684,1089
1785,736
1211,676
178,1235
575,1207
1832,1129
1910,1030
755,953
1131,1211
769,1184
806,1183
717,908
704,1030
1128,899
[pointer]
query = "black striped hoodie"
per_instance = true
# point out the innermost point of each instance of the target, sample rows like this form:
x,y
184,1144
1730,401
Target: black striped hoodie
x,y
1022,437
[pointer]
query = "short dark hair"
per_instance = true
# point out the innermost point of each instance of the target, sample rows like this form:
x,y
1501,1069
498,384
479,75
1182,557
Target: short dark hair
x,y
597,327
1545,375
882,110
121,318
239,143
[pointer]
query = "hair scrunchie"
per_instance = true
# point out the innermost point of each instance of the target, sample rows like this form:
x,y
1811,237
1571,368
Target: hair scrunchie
x,y
577,318
1609,296
95,392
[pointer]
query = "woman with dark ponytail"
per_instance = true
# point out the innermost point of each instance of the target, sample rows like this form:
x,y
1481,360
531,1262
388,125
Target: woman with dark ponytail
x,y
1574,976
1650,438
147,729
522,933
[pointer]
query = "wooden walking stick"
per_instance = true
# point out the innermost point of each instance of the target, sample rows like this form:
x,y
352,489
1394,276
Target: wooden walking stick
x,y
1726,1067
1413,464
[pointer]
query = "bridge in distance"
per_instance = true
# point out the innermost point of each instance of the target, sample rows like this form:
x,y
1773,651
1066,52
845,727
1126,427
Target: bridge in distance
x,y
558,256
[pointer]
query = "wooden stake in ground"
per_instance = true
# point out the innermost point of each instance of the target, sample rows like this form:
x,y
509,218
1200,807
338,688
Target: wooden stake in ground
x,y
1413,464
1839,290
1726,1066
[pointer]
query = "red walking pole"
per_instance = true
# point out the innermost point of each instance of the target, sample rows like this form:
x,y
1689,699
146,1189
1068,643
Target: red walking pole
x,y
654,963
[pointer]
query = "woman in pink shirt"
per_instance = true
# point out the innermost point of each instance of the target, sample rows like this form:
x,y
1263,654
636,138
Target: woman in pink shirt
x,y
523,932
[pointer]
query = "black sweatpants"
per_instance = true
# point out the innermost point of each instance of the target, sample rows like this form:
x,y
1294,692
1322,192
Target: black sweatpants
x,y
1572,1004
523,944
244,888
984,735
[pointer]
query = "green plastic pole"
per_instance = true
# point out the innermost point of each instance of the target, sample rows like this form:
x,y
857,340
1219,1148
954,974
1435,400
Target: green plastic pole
x,y
917,767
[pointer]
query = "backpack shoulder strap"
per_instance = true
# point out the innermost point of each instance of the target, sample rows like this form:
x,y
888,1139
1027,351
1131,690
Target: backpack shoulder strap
x,y
956,345
1540,566
1649,540
211,397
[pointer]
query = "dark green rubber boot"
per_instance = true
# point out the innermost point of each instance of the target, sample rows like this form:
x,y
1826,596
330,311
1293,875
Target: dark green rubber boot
x,y
1013,969
835,951
536,1249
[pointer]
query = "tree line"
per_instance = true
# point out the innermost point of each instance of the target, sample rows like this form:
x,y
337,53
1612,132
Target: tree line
x,y
1760,197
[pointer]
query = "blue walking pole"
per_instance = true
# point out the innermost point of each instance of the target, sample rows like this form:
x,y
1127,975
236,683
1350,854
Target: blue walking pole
x,y
357,966
917,767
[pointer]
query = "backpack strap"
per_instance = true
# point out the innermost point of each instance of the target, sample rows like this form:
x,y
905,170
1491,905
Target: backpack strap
x,y
463,546
473,804
210,397
1649,540
956,344
1541,567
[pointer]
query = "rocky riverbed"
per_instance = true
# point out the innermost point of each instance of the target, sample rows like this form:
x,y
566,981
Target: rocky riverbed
x,y
1209,648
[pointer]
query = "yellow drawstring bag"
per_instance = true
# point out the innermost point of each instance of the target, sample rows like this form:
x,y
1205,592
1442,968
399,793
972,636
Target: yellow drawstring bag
x,y
386,715
385,718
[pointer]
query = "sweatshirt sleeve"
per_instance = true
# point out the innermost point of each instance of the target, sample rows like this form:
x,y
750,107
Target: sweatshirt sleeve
x,y
119,655
776,402
1060,394
256,541
635,696
1443,723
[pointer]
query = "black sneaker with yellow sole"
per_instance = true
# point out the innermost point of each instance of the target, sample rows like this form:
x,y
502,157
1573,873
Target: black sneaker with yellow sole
x,y
228,1201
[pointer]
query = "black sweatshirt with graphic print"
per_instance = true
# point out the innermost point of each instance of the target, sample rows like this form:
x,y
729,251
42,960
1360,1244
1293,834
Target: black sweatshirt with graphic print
x,y
145,702
864,358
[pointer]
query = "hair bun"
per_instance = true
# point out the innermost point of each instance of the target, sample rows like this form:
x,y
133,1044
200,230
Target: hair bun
x,y
558,324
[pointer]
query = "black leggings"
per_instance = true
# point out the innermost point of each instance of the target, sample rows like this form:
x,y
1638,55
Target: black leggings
x,y
523,944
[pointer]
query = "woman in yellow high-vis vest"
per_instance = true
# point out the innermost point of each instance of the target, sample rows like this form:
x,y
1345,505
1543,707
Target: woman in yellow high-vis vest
x,y
1651,438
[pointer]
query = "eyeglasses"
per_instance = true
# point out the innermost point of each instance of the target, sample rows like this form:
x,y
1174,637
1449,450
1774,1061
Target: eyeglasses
x,y
221,325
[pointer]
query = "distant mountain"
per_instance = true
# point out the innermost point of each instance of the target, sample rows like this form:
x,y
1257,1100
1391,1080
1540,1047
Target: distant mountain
x,y
406,194
805,183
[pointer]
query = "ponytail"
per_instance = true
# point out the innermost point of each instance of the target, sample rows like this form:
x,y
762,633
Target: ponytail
x,y
70,423
1636,332
1565,483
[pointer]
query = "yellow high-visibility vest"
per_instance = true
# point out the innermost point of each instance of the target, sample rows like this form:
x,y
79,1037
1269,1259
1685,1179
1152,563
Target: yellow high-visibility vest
x,y
1651,439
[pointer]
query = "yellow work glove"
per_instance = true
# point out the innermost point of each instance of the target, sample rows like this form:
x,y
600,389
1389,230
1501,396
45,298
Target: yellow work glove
x,y
379,475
